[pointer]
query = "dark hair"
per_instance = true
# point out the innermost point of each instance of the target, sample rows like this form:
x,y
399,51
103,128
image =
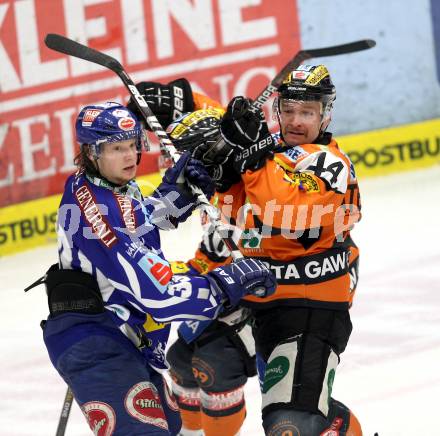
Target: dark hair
x,y
84,163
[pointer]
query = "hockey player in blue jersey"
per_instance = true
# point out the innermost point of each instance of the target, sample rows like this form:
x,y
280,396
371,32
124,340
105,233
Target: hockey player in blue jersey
x,y
113,295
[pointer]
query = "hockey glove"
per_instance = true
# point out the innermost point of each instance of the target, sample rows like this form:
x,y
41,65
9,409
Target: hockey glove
x,y
247,132
213,246
167,102
175,191
218,159
244,277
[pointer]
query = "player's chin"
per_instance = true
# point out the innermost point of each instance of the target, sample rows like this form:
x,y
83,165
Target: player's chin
x,y
129,172
294,138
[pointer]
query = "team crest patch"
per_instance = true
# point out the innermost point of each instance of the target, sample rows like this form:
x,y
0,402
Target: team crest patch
x,y
305,181
101,417
143,403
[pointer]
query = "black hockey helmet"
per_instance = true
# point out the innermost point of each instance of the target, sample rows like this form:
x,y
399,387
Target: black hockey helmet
x,y
309,83
198,129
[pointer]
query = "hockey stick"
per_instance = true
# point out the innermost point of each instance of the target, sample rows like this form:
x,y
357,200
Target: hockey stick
x,y
302,56
292,64
65,412
67,46
72,48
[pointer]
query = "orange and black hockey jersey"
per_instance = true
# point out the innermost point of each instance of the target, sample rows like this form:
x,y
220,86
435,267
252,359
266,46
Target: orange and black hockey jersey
x,y
297,212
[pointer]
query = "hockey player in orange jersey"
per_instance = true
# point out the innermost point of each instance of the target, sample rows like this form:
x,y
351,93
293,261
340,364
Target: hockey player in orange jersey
x,y
302,200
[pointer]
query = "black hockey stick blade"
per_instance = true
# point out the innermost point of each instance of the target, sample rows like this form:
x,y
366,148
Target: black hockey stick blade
x,y
333,50
72,48
351,47
302,56
65,412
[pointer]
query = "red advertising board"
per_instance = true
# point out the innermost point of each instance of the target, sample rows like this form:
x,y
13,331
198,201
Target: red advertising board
x,y
224,47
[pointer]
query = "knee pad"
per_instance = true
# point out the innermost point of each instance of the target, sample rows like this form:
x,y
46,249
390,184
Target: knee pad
x,y
291,422
299,374
179,358
219,366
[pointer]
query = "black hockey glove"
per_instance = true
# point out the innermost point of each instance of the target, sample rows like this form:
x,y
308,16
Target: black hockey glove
x,y
218,160
168,102
247,132
244,277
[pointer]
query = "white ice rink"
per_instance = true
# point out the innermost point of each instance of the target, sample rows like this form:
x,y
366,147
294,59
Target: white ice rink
x,y
389,374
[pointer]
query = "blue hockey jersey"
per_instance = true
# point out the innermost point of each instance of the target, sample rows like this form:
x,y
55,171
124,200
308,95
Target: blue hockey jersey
x,y
111,233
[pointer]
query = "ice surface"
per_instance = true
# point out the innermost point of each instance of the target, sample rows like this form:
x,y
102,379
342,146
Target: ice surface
x,y
388,375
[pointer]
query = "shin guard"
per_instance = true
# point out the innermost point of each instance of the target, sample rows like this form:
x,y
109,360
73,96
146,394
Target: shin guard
x,y
223,413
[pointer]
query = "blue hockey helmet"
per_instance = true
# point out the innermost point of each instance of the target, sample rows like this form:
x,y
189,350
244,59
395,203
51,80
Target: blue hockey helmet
x,y
108,122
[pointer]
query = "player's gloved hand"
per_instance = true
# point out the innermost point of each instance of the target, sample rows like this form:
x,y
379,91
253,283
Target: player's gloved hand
x,y
196,174
247,132
217,157
175,191
244,277
168,101
212,245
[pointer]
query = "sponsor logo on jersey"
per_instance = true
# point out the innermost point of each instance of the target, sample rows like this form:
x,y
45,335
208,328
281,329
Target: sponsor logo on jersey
x,y
89,117
157,269
250,238
276,370
321,267
127,123
101,417
93,216
293,154
126,208
143,403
